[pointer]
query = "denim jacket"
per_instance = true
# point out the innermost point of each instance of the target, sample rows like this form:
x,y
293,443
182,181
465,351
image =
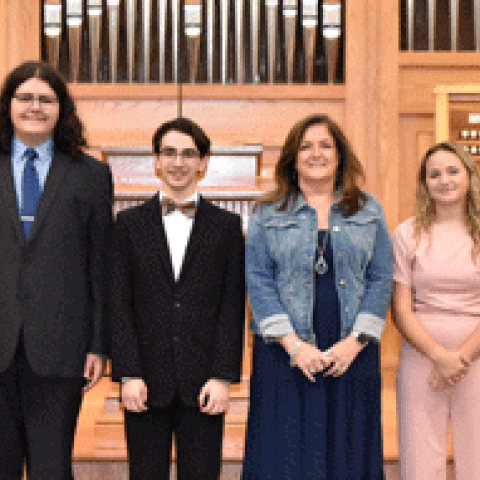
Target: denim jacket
x,y
280,257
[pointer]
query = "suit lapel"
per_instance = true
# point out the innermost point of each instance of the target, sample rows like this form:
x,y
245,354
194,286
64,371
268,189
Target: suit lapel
x,y
59,168
158,239
201,227
7,190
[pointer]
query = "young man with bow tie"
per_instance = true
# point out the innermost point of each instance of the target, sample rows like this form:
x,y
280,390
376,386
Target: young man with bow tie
x,y
177,312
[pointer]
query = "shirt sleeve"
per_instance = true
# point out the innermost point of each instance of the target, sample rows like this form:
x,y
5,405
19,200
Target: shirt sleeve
x,y
269,318
403,248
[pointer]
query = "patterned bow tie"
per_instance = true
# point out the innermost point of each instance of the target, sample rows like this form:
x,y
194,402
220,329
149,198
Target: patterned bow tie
x,y
169,206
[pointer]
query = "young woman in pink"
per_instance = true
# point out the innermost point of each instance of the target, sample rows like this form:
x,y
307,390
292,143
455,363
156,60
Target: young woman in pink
x,y
437,310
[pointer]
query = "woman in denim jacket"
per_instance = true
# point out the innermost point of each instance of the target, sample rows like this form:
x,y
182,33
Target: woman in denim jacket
x,y
319,271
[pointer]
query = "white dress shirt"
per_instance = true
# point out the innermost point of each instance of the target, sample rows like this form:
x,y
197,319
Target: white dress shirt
x,y
178,228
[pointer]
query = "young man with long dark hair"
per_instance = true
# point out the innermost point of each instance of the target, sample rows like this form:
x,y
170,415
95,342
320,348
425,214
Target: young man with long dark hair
x,y
55,223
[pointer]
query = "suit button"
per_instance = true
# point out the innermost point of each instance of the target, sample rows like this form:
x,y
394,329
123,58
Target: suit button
x,y
176,339
177,304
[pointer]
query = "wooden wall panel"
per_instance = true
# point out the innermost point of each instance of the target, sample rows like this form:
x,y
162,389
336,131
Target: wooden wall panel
x,y
425,139
356,77
227,122
417,85
3,38
417,135
379,120
22,33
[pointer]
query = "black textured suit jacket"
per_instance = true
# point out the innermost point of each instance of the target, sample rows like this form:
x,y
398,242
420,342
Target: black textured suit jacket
x,y
54,283
177,334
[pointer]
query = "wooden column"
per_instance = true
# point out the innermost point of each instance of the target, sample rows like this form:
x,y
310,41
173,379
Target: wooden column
x,y
3,39
372,111
388,156
356,77
19,33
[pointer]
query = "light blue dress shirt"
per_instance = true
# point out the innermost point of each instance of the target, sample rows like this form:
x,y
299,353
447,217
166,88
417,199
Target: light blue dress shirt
x,y
42,163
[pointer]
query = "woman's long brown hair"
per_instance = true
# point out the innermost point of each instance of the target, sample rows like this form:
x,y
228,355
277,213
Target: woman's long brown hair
x,y
349,173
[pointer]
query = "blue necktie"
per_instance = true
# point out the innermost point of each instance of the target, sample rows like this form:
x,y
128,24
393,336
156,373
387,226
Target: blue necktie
x,y
31,191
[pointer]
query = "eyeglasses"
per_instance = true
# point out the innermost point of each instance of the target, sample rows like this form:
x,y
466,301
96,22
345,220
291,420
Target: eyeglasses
x,y
45,101
171,154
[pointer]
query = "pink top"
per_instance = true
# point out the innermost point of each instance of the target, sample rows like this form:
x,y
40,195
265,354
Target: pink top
x,y
442,274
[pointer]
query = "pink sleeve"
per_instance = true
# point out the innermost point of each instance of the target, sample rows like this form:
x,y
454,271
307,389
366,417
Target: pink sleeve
x,y
403,250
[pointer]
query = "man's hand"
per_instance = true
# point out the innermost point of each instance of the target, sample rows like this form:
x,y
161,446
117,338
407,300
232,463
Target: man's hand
x,y
214,396
134,395
93,371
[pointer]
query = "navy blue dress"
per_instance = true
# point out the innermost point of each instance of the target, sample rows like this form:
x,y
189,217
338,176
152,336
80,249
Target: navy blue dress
x,y
330,429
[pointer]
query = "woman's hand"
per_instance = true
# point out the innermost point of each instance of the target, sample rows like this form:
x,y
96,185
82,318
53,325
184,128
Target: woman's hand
x,y
437,382
342,354
451,366
309,359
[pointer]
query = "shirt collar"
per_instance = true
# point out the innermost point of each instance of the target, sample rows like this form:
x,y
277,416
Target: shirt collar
x,y
301,203
195,197
44,150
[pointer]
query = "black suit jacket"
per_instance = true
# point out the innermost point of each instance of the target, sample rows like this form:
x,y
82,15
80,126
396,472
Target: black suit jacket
x,y
177,335
54,283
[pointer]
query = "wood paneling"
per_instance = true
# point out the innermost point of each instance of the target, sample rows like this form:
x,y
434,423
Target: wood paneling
x,y
356,76
372,112
387,158
422,60
238,122
420,73
23,32
4,31
442,127
416,136
208,92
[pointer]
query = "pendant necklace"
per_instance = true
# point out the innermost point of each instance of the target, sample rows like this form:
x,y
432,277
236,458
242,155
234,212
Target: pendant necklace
x,y
321,267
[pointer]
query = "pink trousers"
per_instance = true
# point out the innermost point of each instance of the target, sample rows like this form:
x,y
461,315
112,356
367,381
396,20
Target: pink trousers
x,y
423,415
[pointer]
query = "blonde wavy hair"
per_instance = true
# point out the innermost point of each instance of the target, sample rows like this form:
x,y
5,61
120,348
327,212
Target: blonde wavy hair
x,y
425,205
